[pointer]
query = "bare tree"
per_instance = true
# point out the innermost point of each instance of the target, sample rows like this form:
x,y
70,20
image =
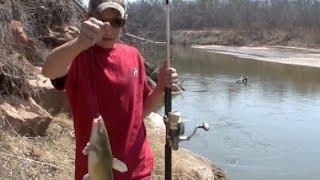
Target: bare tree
x,y
206,14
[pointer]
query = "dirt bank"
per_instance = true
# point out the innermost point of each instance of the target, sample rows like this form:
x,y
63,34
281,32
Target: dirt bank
x,y
234,37
277,54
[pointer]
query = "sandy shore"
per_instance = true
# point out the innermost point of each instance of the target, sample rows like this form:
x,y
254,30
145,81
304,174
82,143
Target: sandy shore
x,y
277,54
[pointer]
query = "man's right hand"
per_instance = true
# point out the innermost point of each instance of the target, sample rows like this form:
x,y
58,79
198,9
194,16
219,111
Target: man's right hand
x,y
92,31
60,58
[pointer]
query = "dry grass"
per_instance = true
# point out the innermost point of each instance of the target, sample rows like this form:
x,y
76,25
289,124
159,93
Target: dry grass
x,y
47,157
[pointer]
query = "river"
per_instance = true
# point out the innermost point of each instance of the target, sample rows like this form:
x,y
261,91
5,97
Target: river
x,y
267,129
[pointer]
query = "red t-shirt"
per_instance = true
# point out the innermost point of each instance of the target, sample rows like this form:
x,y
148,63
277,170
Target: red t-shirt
x,y
111,82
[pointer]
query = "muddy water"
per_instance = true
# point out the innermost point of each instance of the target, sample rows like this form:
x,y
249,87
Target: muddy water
x,y
267,129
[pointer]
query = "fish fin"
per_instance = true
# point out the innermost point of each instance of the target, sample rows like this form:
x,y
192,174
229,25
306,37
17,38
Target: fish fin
x,y
86,177
86,150
119,165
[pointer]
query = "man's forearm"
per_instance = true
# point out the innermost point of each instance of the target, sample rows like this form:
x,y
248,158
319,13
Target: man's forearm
x,y
154,99
59,59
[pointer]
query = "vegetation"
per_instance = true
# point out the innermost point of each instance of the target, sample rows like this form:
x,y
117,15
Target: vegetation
x,y
207,14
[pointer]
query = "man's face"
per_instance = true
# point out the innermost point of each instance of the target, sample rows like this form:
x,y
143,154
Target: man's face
x,y
113,33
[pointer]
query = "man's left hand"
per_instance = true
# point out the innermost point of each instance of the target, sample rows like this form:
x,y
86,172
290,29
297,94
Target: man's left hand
x,y
168,78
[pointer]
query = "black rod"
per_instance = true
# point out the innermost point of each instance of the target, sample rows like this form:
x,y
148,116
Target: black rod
x,y
168,102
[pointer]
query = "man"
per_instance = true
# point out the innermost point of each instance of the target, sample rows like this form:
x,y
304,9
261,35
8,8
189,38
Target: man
x,y
104,77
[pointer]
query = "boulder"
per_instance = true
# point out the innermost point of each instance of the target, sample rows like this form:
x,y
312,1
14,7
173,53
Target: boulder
x,y
20,41
47,96
25,117
30,82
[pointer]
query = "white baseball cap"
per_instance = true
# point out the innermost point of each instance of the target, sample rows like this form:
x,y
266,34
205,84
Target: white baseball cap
x,y
109,4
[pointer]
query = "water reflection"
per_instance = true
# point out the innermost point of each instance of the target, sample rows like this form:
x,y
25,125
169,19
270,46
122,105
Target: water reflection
x,y
267,129
269,75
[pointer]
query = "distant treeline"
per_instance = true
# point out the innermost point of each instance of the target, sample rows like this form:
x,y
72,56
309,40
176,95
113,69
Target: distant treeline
x,y
207,14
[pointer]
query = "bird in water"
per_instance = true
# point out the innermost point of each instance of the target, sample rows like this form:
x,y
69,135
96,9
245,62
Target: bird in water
x,y
243,79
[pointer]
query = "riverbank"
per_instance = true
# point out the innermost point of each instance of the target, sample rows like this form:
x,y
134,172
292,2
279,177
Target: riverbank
x,y
243,37
297,47
52,156
277,54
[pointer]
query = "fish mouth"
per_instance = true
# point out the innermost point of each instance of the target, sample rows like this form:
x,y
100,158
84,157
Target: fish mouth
x,y
96,125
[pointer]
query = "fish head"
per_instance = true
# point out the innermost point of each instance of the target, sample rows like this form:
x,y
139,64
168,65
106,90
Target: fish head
x,y
99,135
100,159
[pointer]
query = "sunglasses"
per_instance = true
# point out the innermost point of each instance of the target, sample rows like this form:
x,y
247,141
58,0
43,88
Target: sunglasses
x,y
116,22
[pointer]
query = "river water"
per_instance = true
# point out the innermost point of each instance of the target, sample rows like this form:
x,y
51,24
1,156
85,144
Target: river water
x,y
267,129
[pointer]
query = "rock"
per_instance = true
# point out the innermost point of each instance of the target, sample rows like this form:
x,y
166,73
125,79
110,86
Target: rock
x,y
20,41
35,85
53,37
60,35
185,164
26,80
25,117
19,36
47,96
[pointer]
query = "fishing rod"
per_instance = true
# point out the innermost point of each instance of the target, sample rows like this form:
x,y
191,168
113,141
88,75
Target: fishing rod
x,y
175,127
168,102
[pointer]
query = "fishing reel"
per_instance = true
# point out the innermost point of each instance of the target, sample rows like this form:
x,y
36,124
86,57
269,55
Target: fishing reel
x,y
177,129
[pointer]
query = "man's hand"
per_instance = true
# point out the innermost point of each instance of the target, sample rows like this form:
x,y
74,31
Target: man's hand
x,y
92,31
168,78
59,59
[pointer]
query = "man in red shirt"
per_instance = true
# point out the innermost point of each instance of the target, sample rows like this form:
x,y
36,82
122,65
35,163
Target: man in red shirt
x,y
103,77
